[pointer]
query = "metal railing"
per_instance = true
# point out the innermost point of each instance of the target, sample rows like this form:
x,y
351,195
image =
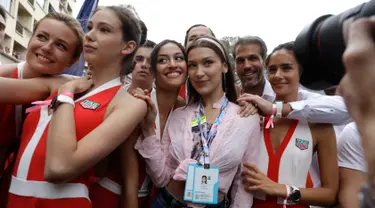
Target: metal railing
x,y
31,2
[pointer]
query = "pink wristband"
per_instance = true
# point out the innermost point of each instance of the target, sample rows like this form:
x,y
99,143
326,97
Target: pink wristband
x,y
70,94
270,121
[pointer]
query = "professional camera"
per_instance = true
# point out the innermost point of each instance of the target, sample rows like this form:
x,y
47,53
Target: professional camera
x,y
320,45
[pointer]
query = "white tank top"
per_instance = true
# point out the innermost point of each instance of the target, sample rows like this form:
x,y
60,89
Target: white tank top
x,y
290,164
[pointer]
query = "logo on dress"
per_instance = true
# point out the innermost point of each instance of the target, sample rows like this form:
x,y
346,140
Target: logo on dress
x,y
302,144
87,104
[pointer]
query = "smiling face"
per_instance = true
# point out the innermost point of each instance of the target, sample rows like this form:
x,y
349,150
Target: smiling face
x,y
170,67
52,47
283,73
249,65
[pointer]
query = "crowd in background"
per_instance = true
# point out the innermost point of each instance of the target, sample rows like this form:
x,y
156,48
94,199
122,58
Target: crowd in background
x,y
93,141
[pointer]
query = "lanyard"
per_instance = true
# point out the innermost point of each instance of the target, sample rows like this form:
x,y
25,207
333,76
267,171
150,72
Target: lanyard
x,y
207,137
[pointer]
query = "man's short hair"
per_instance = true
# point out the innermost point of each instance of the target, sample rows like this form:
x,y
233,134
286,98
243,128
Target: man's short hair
x,y
149,44
251,40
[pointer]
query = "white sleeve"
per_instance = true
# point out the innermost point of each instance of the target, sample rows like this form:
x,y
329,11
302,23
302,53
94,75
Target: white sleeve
x,y
350,151
320,109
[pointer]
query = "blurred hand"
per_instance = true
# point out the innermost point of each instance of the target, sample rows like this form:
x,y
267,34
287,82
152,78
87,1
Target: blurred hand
x,y
358,85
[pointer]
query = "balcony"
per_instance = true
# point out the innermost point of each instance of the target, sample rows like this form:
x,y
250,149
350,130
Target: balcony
x,y
62,7
19,52
7,4
19,28
51,9
23,35
70,10
26,5
24,17
31,2
41,3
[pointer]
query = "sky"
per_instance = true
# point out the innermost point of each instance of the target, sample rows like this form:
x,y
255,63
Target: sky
x,y
275,21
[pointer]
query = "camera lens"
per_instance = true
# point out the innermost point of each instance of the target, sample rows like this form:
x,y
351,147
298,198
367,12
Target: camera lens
x,y
319,48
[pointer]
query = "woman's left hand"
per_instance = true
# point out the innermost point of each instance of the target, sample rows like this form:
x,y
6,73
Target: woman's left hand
x,y
254,180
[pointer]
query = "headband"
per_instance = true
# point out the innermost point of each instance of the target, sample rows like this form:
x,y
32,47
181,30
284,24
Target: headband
x,y
215,43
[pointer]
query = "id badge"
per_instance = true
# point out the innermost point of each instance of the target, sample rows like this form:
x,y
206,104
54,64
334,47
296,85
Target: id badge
x,y
189,184
202,185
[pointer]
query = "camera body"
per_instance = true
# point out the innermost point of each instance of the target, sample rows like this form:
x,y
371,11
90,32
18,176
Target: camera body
x,y
320,45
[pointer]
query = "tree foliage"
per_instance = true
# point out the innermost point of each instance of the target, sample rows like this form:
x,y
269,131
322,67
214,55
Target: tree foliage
x,y
228,42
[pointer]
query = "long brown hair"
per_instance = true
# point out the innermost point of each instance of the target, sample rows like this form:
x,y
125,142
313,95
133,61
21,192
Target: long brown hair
x,y
227,78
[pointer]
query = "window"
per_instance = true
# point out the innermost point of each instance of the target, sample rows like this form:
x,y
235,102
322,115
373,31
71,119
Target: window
x,y
51,9
7,4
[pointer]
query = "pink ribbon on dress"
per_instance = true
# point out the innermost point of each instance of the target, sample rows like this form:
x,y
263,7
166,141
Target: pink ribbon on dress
x,y
38,105
270,121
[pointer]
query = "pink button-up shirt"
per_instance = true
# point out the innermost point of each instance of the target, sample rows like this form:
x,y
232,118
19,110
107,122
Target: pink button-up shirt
x,y
237,141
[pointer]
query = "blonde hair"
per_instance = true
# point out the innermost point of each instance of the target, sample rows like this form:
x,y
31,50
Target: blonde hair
x,y
72,23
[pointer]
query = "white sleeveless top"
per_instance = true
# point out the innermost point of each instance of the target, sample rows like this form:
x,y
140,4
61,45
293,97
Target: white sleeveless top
x,y
290,164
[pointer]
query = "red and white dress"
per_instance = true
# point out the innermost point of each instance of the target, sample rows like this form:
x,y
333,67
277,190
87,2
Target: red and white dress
x,y
28,187
10,129
106,192
11,115
289,165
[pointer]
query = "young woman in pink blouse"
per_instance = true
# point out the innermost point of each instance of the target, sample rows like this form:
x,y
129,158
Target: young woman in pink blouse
x,y
229,141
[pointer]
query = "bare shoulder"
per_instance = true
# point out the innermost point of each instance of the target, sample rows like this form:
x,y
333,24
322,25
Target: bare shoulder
x,y
124,100
7,70
322,131
54,82
321,128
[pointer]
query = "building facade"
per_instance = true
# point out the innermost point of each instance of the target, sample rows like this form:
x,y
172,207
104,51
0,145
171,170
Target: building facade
x,y
22,15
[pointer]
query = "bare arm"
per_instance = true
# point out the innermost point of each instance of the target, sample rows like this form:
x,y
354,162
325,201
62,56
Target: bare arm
x,y
352,166
350,185
7,70
130,171
66,158
319,109
25,91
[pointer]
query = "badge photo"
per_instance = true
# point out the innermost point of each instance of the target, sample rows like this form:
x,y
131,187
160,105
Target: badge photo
x,y
206,185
